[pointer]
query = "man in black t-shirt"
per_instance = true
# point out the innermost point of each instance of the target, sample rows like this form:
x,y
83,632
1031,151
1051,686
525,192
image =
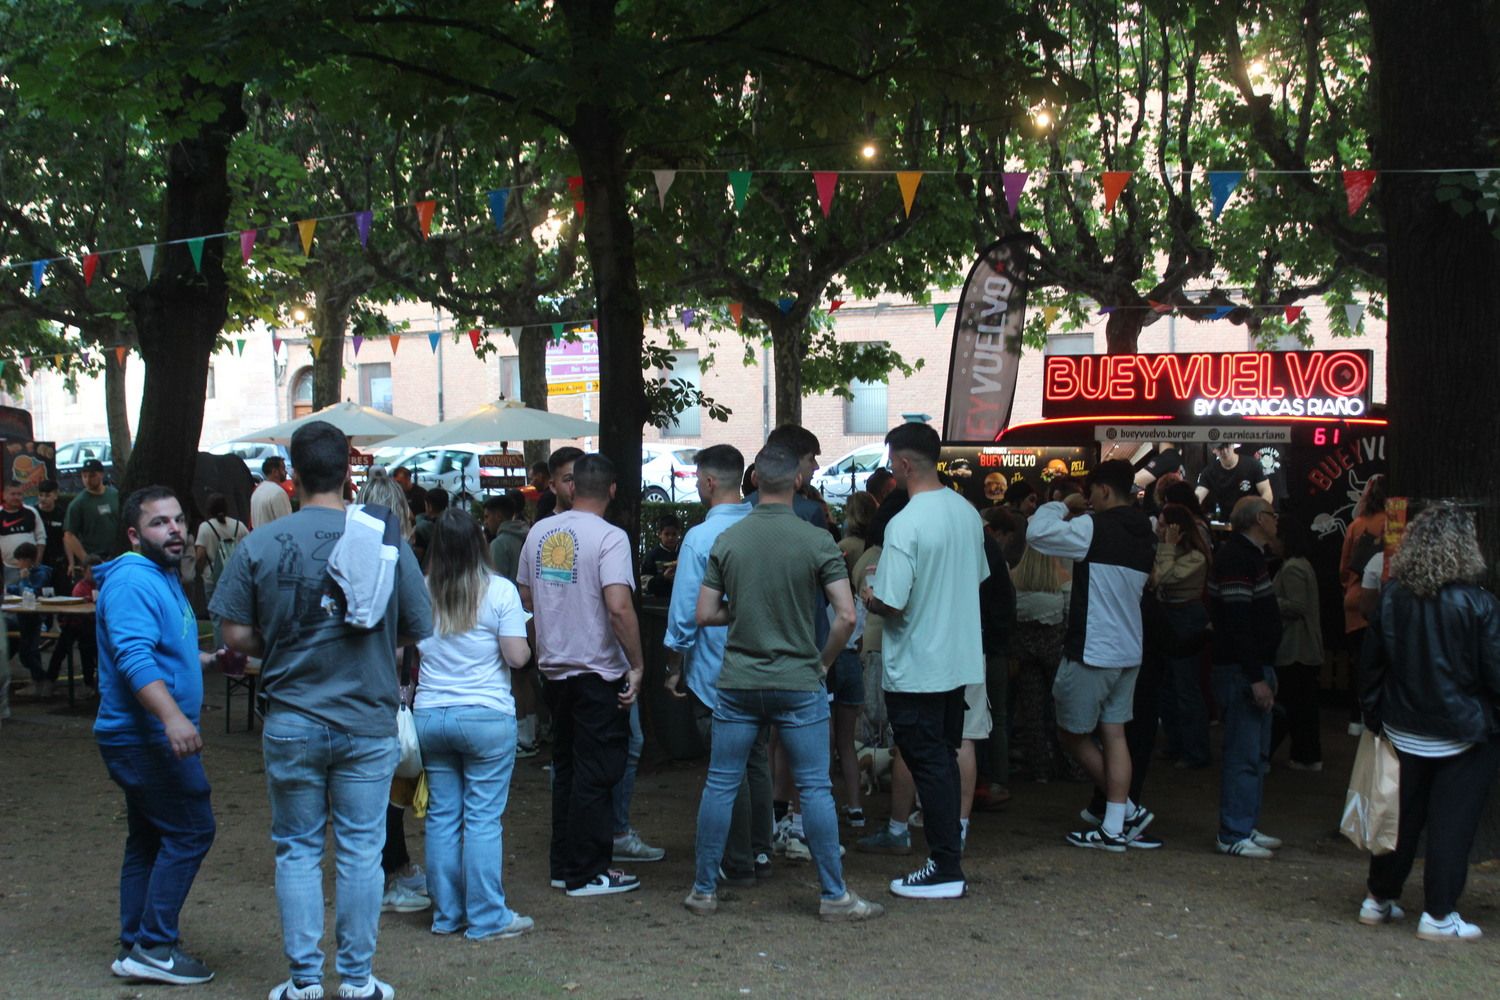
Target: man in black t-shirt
x,y
54,557
1227,478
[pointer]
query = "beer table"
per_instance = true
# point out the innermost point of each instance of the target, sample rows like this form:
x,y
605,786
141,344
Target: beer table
x,y
62,607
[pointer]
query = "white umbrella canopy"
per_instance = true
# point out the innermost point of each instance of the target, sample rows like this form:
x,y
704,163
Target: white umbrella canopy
x,y
363,425
502,420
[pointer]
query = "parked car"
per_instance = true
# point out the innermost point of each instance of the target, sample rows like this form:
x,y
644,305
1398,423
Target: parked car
x,y
847,474
253,453
668,475
70,459
475,470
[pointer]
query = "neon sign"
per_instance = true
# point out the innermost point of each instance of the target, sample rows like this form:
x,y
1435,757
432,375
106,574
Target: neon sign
x,y
1210,387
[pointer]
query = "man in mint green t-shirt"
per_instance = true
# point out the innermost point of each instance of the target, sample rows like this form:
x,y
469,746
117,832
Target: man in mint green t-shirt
x,y
927,589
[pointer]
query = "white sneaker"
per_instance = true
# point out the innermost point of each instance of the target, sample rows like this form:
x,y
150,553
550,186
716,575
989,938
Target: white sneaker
x,y
1373,914
1246,848
1265,840
399,899
372,990
781,834
289,990
607,884
1450,928
416,881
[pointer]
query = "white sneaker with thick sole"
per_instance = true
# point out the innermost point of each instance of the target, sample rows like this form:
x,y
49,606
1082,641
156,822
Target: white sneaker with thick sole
x,y
1373,913
374,989
400,899
289,990
1267,841
926,883
1450,928
608,884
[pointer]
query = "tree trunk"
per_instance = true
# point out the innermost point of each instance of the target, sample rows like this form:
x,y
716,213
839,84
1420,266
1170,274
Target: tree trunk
x,y
330,320
788,341
610,239
533,363
1122,331
117,409
180,313
1436,78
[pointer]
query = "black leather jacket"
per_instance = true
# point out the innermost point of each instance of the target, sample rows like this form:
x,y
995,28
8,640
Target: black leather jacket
x,y
1431,666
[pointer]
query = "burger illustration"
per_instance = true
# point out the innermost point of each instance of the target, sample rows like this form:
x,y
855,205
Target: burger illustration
x,y
994,486
1056,469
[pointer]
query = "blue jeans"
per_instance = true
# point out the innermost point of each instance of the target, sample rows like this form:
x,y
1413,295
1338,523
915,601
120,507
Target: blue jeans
x,y
625,790
1247,746
803,720
170,828
469,752
316,774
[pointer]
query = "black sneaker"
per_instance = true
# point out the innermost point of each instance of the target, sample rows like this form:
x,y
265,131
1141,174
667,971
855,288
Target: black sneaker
x,y
607,884
1098,840
1143,842
926,883
165,964
1136,823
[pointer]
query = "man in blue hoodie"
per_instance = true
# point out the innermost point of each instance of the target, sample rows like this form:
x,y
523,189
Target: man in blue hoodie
x,y
150,693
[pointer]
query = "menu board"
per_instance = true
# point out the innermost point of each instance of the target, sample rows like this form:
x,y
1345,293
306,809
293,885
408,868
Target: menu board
x,y
27,463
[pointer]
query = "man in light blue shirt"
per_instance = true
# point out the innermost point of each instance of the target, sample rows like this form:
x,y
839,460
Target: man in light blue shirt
x,y
695,655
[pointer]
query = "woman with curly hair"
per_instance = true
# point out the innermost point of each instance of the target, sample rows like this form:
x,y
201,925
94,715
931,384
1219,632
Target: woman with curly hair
x,y
1430,683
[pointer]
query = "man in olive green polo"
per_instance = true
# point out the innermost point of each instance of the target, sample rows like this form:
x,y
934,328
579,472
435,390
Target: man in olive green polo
x,y
92,524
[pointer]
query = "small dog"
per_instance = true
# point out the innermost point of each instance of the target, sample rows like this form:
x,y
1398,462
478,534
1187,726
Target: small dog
x,y
874,767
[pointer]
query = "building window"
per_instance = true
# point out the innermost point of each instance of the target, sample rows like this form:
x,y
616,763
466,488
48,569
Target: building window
x,y
302,393
211,388
510,377
1070,343
375,387
865,413
687,423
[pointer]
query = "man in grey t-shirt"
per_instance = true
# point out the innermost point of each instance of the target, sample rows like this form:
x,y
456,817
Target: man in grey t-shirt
x,y
331,729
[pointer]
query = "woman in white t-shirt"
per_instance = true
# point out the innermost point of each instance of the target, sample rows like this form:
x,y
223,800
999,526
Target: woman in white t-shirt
x,y
216,540
466,722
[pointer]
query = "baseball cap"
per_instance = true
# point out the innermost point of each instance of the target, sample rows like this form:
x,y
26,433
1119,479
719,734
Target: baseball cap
x,y
92,465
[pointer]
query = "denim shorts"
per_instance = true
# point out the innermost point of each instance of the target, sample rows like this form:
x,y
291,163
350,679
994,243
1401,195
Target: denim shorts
x,y
1087,696
846,683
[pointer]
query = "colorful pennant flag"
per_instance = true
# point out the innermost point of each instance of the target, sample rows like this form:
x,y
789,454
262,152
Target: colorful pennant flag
x,y
358,343
785,305
315,345
1159,307
432,341
1014,182
120,356
1221,312
1354,313
2,366
737,310
1049,316
38,268
275,345
362,222
575,186
1221,184
247,244
1292,312
239,346
908,181
148,258
195,249
664,179
1106,310
475,336
498,200
424,216
739,183
938,308
835,305
305,229
26,366
90,265
1114,182
395,343
687,316
1357,184
825,181
557,331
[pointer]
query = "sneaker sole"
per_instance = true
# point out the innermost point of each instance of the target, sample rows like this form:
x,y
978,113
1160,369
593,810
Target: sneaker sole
x,y
942,890
1087,846
135,970
1426,936
117,967
406,907
1150,845
595,891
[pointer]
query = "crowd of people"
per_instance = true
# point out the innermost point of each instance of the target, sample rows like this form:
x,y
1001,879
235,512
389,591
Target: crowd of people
x,y
1050,636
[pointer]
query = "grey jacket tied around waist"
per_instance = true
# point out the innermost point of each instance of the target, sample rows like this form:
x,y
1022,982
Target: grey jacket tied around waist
x,y
363,563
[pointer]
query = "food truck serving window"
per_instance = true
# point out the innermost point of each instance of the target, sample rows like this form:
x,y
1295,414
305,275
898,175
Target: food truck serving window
x,y
1206,388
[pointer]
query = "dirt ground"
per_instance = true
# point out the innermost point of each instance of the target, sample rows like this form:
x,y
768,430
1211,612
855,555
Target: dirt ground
x,y
1041,918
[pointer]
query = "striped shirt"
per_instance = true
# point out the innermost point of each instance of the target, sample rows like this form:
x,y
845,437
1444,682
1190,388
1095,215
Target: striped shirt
x,y
1424,746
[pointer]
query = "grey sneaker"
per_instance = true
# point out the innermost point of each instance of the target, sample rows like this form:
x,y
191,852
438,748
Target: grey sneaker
x,y
165,964
702,904
374,989
416,881
631,847
518,926
884,842
289,990
850,908
118,965
400,899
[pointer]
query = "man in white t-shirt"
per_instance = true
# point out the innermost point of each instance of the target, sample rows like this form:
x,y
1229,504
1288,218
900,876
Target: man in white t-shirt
x,y
927,589
270,500
575,576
